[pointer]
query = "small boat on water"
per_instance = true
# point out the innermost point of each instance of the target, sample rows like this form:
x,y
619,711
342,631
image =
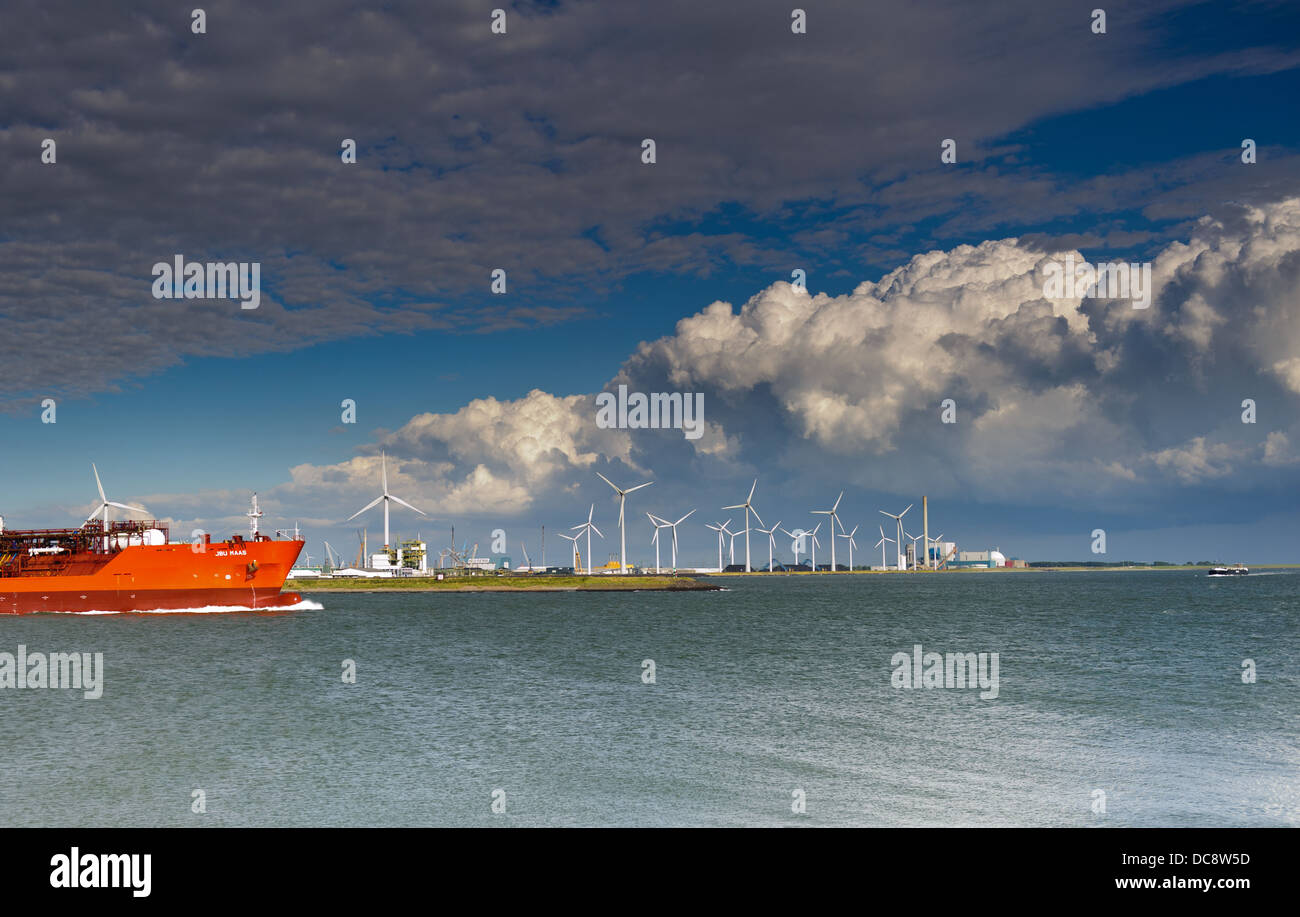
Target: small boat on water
x,y
1234,570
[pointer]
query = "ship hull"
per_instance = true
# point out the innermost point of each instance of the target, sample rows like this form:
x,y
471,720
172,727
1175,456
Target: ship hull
x,y
163,578
146,600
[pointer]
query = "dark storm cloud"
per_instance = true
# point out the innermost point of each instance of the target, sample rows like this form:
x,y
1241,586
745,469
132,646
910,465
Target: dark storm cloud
x,y
479,151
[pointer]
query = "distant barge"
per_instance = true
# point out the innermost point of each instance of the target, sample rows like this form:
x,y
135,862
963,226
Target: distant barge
x,y
1234,570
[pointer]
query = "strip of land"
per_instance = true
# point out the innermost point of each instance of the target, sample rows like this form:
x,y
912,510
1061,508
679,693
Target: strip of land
x,y
607,583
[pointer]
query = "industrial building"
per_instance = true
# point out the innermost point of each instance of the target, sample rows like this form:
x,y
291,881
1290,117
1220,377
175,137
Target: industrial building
x,y
978,559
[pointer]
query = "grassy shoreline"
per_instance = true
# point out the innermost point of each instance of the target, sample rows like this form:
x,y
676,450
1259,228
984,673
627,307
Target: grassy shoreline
x,y
504,584
655,582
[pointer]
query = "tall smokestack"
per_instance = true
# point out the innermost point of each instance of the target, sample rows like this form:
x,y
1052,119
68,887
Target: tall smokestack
x,y
925,517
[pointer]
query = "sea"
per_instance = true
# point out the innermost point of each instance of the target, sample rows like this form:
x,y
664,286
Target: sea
x,y
1122,699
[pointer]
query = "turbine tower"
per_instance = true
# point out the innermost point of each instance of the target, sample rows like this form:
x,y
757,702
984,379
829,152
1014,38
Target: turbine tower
x,y
748,507
915,560
899,542
622,535
881,544
385,498
587,527
673,526
834,521
771,542
721,529
852,545
658,524
573,558
795,536
934,542
815,542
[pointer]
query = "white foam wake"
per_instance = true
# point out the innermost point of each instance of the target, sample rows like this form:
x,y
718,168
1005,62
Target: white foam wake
x,y
304,605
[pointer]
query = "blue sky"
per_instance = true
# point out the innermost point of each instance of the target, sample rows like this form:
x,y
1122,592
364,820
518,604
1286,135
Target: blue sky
x,y
817,152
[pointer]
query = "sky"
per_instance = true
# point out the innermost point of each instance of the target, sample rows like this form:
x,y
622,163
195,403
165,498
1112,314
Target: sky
x,y
775,152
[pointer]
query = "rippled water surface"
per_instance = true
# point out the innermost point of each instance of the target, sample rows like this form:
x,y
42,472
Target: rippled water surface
x,y
1125,682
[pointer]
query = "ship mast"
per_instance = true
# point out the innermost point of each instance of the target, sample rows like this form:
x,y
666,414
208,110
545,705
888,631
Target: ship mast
x,y
253,516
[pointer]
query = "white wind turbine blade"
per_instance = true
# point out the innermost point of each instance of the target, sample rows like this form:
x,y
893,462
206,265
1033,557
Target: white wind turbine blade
x,y
750,498
134,509
638,487
98,509
371,505
99,484
609,482
737,506
837,501
757,516
596,530
684,518
904,512
591,511
407,505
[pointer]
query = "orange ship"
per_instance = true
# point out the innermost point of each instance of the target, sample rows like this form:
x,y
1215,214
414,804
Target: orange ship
x,y
133,566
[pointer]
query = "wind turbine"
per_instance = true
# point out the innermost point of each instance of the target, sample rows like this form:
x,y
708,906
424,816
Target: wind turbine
x,y
588,527
881,544
771,542
721,529
573,558
852,544
385,498
933,562
105,503
673,526
748,507
915,560
796,536
899,542
732,536
834,521
622,535
658,524
815,542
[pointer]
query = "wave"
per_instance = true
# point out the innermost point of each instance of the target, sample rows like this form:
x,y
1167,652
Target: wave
x,y
304,605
